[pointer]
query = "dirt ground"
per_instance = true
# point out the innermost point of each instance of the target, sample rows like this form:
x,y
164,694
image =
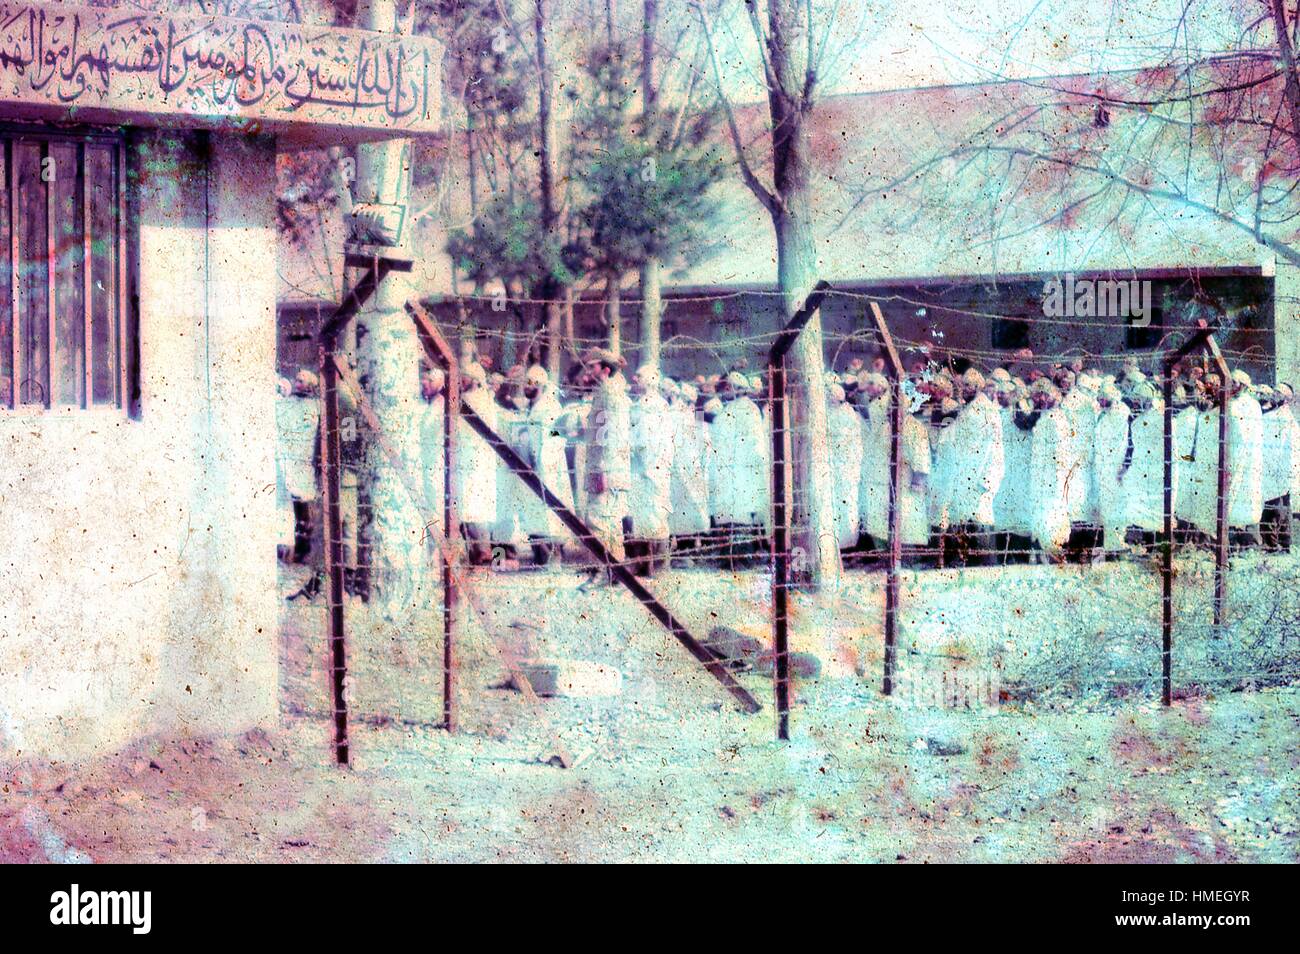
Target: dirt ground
x,y
670,770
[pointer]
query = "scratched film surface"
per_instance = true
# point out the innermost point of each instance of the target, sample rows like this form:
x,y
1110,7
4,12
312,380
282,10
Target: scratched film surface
x,y
581,430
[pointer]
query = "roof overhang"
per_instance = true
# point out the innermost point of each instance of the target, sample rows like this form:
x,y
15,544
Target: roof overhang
x,y
304,83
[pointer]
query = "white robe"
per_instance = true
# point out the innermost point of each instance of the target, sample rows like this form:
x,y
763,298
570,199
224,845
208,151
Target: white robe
x,y
690,484
608,475
1196,436
1143,485
1281,450
873,488
845,426
717,492
1110,442
1049,476
510,489
739,462
915,464
475,482
650,499
297,419
1245,461
1188,424
1011,504
1081,412
944,462
573,425
765,466
542,447
974,441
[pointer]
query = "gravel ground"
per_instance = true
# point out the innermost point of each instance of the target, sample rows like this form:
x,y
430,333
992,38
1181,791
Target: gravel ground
x,y
1085,769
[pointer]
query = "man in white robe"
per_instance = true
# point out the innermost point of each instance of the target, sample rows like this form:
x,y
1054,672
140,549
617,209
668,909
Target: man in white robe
x,y
475,473
1143,481
433,475
542,446
609,452
507,531
1245,462
976,466
758,395
1186,430
1279,451
718,492
688,521
915,465
650,497
1110,447
298,425
572,423
737,445
943,409
873,486
1196,447
1079,405
1049,472
845,427
1011,504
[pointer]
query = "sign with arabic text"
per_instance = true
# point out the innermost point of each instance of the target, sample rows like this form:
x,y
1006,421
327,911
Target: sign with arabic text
x,y
124,65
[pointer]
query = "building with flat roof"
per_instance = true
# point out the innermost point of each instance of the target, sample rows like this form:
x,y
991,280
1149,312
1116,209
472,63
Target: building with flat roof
x,y
138,149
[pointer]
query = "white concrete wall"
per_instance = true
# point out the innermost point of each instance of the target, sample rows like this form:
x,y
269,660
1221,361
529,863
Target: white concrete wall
x,y
138,580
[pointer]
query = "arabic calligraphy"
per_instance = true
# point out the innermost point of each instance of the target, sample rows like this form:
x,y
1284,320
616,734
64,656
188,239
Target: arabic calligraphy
x,y
215,67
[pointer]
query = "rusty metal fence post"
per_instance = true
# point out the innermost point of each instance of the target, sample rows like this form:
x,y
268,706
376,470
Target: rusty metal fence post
x,y
331,465
1202,339
375,269
448,553
781,444
780,548
897,397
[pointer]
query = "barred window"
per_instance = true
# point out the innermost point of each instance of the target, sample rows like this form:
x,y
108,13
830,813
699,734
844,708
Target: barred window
x,y
63,305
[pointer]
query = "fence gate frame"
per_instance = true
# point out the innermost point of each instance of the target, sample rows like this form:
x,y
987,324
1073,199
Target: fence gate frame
x,y
436,348
1201,340
333,371
376,269
781,477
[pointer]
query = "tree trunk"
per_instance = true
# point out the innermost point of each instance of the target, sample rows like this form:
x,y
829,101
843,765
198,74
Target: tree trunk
x,y
570,334
550,288
613,311
651,312
790,104
651,304
388,364
814,509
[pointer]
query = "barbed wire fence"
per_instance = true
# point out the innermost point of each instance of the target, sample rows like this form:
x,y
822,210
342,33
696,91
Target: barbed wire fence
x,y
1104,625
1255,642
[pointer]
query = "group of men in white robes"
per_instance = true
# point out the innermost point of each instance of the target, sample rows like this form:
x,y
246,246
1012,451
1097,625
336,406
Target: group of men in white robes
x,y
1068,464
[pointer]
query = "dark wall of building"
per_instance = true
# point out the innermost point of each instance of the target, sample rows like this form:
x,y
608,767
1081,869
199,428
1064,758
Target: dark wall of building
x,y
955,324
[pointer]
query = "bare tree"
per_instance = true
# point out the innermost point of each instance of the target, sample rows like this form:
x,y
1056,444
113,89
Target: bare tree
x,y
1214,136
651,299
789,47
546,180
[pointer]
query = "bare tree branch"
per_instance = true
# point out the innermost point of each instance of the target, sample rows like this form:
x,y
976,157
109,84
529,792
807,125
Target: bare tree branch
x,y
764,195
